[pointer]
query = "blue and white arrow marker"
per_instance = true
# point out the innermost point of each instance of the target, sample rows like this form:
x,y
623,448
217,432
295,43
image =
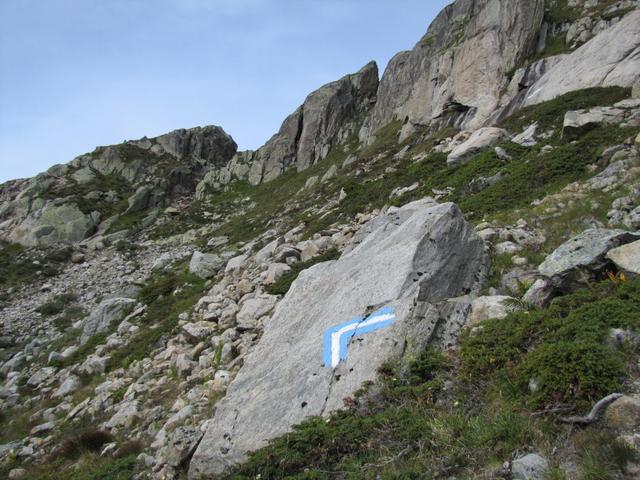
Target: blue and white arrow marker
x,y
336,339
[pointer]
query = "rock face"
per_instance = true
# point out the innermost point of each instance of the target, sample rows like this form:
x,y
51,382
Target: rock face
x,y
611,58
105,315
306,135
52,208
339,322
457,73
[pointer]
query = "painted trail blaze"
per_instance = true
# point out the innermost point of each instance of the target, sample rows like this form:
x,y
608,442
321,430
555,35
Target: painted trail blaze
x,y
336,339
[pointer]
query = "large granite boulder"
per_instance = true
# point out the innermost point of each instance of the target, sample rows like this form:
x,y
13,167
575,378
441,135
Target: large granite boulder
x,y
339,322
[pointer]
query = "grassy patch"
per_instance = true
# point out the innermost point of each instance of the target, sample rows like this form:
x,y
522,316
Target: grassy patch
x,y
57,305
18,264
281,287
562,348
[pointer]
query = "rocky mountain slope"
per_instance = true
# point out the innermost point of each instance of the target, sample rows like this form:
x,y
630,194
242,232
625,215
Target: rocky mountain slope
x,y
427,275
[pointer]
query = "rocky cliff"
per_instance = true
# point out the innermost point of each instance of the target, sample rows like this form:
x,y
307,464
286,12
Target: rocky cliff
x,y
430,275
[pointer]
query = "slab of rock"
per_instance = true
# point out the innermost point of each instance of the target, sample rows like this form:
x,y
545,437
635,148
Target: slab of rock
x,y
125,417
305,365
578,121
199,330
205,265
105,315
528,137
627,257
478,141
609,59
275,272
583,257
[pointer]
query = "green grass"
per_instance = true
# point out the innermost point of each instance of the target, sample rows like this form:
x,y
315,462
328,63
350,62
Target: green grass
x,y
57,305
17,265
281,287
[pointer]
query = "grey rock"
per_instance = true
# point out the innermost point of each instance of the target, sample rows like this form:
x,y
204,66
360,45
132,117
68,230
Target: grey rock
x,y
205,265
105,315
68,386
478,141
456,75
581,258
577,121
529,467
540,293
40,377
489,307
180,445
626,257
236,263
609,59
424,253
255,308
275,272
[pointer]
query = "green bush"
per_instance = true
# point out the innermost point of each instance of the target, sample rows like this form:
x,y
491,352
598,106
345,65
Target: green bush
x,y
57,305
562,347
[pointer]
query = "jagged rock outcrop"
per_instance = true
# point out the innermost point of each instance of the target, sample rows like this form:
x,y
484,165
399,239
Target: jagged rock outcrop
x,y
309,359
67,203
457,73
306,136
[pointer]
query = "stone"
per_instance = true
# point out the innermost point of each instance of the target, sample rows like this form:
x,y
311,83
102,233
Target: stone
x,y
275,272
635,91
540,293
581,258
577,122
68,386
529,467
180,445
105,315
127,414
604,61
236,263
254,308
626,257
478,141
205,265
267,251
424,252
623,414
489,307
309,251
311,182
199,330
17,474
40,377
528,137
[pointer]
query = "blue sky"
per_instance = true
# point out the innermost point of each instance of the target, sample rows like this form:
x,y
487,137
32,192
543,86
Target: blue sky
x,y
75,74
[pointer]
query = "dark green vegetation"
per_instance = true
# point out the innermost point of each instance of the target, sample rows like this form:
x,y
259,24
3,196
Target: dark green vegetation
x,y
281,287
18,264
57,305
410,425
166,295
